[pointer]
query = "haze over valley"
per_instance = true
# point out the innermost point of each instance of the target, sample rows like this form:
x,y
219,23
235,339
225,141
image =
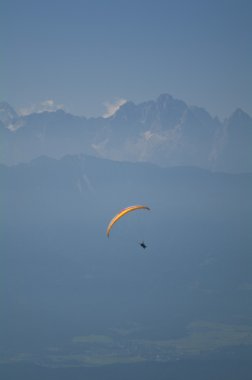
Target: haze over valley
x,y
96,301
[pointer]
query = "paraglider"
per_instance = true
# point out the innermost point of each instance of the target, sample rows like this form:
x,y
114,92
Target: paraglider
x,y
122,213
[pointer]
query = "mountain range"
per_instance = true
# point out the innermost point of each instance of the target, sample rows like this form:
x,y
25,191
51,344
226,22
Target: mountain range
x,y
165,131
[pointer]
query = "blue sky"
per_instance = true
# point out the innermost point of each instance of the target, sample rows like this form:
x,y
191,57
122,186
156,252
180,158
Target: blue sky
x,y
87,53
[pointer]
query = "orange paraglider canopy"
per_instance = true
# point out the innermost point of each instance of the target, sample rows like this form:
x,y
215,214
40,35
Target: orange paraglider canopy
x,y
122,213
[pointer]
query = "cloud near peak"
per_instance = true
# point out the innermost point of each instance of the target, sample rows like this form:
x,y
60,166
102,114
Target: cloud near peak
x,y
48,105
111,108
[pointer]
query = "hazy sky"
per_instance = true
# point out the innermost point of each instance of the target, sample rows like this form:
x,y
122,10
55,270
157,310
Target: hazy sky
x,y
84,54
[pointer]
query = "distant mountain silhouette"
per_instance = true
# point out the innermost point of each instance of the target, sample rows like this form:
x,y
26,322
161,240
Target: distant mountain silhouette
x,y
166,131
